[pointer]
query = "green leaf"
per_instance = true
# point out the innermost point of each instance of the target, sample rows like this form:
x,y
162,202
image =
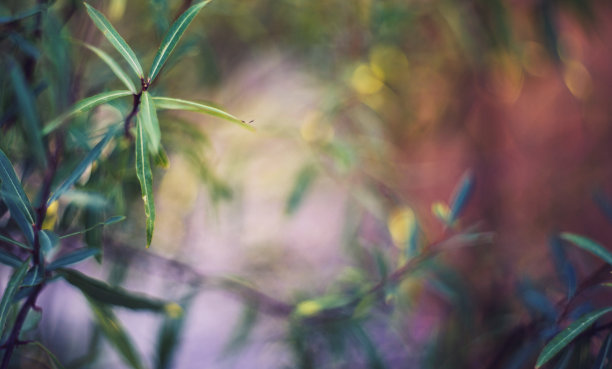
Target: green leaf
x,y
604,352
168,338
54,361
119,72
115,39
461,196
10,259
589,245
145,177
27,109
10,290
73,258
179,104
566,336
148,117
301,186
161,158
242,330
172,37
116,335
16,243
109,221
15,198
83,106
104,293
80,169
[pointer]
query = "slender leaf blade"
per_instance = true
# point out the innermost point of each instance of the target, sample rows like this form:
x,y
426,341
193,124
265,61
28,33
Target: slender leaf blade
x,y
145,177
148,117
461,195
588,245
10,290
73,258
172,37
179,104
106,294
54,360
109,221
93,155
10,259
302,184
119,72
566,336
115,39
83,106
603,354
15,198
116,335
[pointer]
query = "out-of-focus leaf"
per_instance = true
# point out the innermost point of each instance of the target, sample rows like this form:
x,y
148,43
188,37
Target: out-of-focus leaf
x,y
115,39
119,72
161,158
10,259
145,177
302,184
375,361
83,106
27,109
116,335
25,14
31,321
15,198
179,104
441,211
93,234
168,338
33,277
564,268
10,290
13,242
48,241
54,360
536,302
147,116
589,245
172,37
73,258
80,169
604,353
604,204
461,195
566,358
566,336
242,330
104,293
109,221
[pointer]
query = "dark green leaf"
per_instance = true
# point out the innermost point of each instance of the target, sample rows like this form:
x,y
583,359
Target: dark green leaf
x,y
172,37
461,196
148,117
179,104
15,198
54,361
119,72
168,338
25,14
93,155
301,186
10,259
33,277
48,241
161,158
242,331
13,242
116,335
27,109
83,106
73,258
145,177
589,245
104,293
562,339
10,290
115,39
604,352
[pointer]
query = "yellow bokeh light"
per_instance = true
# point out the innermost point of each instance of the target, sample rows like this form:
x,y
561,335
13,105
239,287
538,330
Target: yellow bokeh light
x,y
401,225
315,129
577,79
365,80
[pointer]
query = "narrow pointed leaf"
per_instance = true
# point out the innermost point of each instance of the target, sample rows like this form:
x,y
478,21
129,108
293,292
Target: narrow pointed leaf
x,y
26,103
172,37
603,354
104,293
16,243
10,259
116,335
161,158
54,360
302,184
179,104
562,339
148,117
589,245
461,196
109,221
115,39
83,106
15,198
145,177
119,72
83,165
73,258
10,290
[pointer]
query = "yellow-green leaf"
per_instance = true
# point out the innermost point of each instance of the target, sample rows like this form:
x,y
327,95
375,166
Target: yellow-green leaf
x,y
172,37
145,177
148,117
115,39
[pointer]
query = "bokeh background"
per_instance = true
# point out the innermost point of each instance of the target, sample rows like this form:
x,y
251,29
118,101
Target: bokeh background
x,y
366,112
